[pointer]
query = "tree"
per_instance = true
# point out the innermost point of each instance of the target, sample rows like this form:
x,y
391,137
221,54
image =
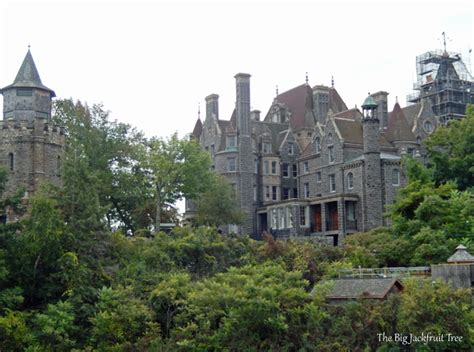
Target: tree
x,y
178,168
451,151
218,205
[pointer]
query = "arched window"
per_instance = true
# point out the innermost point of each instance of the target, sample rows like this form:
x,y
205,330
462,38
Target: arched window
x,y
11,161
350,180
396,177
418,140
317,144
330,137
58,165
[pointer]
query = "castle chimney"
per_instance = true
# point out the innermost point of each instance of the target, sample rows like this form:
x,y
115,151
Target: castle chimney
x,y
242,104
212,106
382,108
255,115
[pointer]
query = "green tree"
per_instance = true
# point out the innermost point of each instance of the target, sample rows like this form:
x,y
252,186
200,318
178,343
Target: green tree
x,y
178,168
218,205
451,151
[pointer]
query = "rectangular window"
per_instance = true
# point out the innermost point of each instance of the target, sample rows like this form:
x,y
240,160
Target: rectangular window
x,y
274,192
331,154
231,165
332,183
396,177
291,149
318,176
285,170
266,167
274,168
306,190
350,211
286,193
305,167
213,150
24,92
231,141
267,192
295,192
266,147
295,170
303,216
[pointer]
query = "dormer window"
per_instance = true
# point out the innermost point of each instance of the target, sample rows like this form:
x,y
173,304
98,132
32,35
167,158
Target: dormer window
x,y
317,144
330,137
331,154
266,147
291,148
428,126
231,141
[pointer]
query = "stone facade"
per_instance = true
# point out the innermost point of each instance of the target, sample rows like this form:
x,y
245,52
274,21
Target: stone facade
x,y
31,148
311,166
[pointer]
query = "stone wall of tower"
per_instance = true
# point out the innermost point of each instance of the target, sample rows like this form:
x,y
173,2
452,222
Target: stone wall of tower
x,y
246,157
382,108
24,107
212,106
32,153
373,205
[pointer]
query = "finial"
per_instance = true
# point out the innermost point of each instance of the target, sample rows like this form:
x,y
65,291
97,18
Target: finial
x,y
29,46
307,78
276,90
444,40
332,81
199,110
396,99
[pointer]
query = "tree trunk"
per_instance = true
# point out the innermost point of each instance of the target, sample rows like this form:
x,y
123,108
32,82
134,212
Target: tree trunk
x,y
158,211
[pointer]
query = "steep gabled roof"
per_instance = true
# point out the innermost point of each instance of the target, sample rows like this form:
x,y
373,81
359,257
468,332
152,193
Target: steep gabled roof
x,y
28,76
351,131
197,129
362,288
398,128
411,112
299,102
351,114
336,103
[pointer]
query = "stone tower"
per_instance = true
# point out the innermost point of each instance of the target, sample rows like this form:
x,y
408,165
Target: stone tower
x,y
246,155
31,148
372,197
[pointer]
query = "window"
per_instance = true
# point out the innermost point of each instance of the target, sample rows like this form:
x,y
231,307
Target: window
x,y
428,126
231,166
267,192
11,161
274,192
266,167
285,170
295,192
396,177
274,168
303,216
213,149
24,92
350,180
330,137
418,140
350,211
231,141
295,170
305,167
289,218
306,190
317,144
266,147
58,165
331,154
318,176
332,183
291,148
286,193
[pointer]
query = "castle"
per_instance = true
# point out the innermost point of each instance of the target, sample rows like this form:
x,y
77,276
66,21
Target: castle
x,y
313,167
31,148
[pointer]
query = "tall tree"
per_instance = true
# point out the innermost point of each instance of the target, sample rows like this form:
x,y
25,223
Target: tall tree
x,y
178,168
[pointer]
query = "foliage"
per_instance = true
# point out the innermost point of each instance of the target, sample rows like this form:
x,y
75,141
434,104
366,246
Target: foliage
x,y
218,205
451,151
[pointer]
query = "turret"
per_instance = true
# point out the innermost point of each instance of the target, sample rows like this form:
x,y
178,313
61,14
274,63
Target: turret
x,y
27,98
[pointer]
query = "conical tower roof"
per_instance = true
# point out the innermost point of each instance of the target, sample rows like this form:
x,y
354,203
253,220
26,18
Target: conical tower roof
x,y
461,256
398,128
28,76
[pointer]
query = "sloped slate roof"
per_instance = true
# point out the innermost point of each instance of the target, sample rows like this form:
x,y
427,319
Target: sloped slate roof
x,y
461,256
398,128
383,156
295,100
362,288
351,131
28,76
411,112
351,114
336,104
197,129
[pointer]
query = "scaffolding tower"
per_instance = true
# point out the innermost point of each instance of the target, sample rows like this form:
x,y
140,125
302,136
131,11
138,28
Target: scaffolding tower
x,y
443,78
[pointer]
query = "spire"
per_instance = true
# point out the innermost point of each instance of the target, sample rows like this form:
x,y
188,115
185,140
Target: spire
x,y
28,76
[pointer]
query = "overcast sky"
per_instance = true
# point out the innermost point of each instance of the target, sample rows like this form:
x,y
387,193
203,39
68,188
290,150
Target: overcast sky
x,y
151,63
